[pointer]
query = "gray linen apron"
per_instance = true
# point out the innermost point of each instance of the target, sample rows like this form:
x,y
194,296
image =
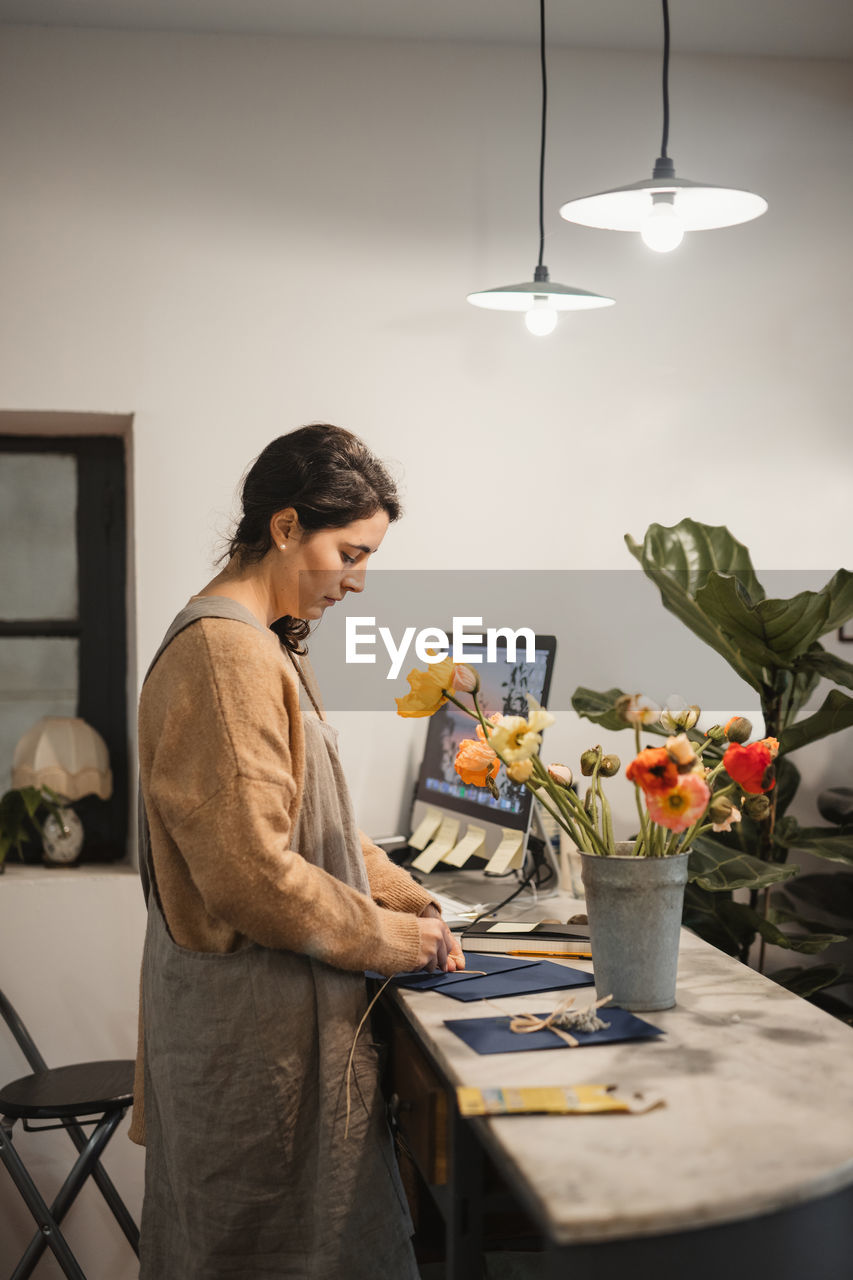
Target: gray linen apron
x,y
248,1173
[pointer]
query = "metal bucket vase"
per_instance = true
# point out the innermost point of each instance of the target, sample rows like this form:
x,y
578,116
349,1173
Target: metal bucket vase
x,y
634,907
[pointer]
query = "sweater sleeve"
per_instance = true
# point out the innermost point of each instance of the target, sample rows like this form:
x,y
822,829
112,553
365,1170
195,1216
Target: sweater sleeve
x,y
223,780
390,885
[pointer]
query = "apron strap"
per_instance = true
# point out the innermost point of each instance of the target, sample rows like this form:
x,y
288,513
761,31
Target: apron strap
x,y
199,607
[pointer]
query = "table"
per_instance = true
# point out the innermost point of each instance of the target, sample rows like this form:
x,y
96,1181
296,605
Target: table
x,y
748,1168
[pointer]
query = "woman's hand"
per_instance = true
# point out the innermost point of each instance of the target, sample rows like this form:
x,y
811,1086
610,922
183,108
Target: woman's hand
x,y
438,947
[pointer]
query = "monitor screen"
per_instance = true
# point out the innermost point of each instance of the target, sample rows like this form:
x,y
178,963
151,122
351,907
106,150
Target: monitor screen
x,y
504,685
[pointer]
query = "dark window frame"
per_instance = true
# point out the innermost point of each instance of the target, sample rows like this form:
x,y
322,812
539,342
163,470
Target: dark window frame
x,y
101,624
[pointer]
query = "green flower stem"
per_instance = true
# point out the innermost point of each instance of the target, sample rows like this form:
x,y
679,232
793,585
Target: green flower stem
x,y
576,821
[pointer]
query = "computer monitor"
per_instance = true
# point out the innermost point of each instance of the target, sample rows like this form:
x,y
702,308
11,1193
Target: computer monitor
x,y
504,684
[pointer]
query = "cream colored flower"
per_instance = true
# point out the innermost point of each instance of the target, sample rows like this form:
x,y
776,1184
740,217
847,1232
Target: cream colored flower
x,y
465,678
638,709
520,771
517,739
682,751
678,715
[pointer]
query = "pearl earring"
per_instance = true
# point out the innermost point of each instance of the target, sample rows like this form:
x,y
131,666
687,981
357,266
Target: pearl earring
x,y
282,545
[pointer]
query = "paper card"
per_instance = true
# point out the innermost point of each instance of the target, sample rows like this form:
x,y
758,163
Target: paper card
x,y
492,1035
509,853
506,926
472,842
542,975
480,964
442,844
425,830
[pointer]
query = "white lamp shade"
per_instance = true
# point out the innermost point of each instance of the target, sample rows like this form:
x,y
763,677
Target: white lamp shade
x,y
65,753
521,297
700,206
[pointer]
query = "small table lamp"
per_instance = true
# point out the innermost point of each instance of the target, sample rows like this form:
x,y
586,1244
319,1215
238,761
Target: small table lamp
x,y
68,755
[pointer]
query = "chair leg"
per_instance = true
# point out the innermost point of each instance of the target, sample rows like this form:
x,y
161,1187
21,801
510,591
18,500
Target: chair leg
x,y
49,1235
108,1191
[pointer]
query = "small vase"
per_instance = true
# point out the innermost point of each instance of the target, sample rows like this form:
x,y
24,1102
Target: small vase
x,y
634,907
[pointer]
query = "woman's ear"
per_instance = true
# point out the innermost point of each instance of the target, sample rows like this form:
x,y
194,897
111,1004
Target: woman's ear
x,y
283,525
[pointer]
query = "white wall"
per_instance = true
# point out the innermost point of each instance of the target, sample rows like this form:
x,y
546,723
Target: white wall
x,y
228,237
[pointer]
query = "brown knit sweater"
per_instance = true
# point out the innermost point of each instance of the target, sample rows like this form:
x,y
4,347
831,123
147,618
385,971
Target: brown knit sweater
x,y
221,758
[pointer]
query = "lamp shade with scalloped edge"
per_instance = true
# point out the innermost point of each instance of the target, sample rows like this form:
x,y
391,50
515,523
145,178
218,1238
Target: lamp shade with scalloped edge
x,y
65,753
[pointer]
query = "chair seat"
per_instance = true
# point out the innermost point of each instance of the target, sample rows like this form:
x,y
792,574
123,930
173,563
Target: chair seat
x,y
85,1088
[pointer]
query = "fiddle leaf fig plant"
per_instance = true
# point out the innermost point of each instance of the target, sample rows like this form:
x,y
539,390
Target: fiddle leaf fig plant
x,y
706,578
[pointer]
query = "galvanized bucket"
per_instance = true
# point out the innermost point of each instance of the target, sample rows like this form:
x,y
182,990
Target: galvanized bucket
x,y
634,907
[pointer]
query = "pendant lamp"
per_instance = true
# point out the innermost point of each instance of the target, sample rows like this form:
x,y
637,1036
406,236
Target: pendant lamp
x,y
663,207
540,298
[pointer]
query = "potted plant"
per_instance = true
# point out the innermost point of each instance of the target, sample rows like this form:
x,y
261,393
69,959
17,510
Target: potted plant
x,y
19,817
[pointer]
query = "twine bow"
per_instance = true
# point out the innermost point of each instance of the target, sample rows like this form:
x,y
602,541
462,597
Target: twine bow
x,y
561,1019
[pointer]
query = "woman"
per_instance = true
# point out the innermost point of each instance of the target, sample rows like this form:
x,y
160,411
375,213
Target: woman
x,y
266,905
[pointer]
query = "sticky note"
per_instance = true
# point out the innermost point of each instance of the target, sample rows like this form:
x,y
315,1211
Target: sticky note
x,y
425,830
442,844
472,842
509,853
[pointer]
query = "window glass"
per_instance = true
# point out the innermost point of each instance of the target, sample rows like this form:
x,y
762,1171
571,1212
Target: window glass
x,y
38,677
38,540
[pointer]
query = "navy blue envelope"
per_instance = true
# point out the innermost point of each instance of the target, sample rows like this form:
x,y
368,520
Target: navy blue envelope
x,y
492,1035
421,980
541,975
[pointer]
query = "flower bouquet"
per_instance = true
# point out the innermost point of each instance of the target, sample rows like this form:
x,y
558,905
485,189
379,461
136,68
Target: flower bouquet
x,y
634,909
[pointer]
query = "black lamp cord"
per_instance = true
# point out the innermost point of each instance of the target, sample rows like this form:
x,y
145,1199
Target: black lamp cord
x,y
542,142
664,167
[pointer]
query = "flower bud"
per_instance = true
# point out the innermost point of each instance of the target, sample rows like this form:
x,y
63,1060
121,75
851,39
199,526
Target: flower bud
x,y
716,733
589,760
610,766
723,814
720,808
465,678
756,807
738,729
520,770
561,774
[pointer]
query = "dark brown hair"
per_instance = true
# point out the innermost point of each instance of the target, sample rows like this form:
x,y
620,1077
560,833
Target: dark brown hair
x,y
329,477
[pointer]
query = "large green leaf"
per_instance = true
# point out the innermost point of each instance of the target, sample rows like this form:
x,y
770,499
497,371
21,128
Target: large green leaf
x,y
716,868
691,551
830,893
804,980
702,915
839,592
784,915
827,665
679,560
738,913
834,714
599,707
771,632
834,843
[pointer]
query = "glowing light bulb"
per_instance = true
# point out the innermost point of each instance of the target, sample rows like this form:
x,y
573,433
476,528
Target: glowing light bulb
x,y
662,230
541,318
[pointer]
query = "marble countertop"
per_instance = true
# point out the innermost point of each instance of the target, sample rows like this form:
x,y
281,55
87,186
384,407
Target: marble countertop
x,y
758,1117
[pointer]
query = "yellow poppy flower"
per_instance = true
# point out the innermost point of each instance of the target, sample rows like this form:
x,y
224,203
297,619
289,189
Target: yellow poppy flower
x,y
427,689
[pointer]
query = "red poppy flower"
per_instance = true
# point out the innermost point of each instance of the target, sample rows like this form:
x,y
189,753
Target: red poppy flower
x,y
750,766
654,770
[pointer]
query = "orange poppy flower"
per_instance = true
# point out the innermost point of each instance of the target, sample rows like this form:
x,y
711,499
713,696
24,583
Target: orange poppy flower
x,y
475,760
654,770
679,808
